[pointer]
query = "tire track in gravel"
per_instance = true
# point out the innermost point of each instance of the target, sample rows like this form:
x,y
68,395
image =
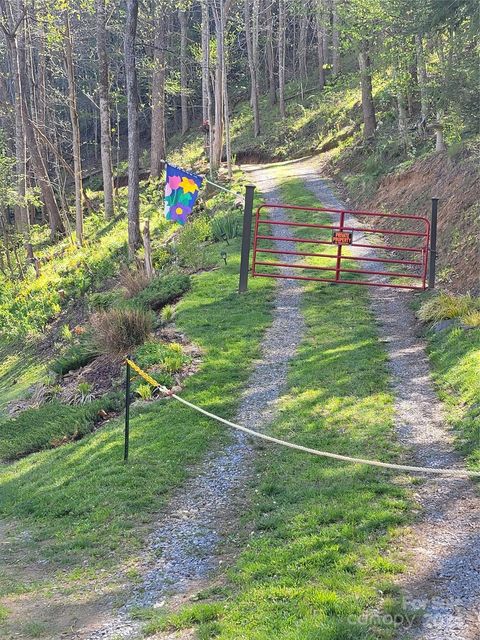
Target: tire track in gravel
x,y
443,577
185,547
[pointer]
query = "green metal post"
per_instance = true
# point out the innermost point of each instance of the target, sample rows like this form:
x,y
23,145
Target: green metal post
x,y
246,238
127,412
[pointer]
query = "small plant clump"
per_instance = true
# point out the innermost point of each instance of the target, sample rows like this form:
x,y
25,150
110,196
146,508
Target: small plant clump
x,y
446,307
167,315
145,391
133,281
190,245
118,330
162,291
226,226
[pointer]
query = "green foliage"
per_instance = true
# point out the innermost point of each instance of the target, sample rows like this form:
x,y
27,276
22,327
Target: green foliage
x,y
190,246
51,425
163,290
145,391
104,300
116,331
77,354
167,314
199,613
446,307
226,226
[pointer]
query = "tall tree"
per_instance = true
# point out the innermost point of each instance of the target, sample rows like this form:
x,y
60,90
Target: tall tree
x,y
104,105
158,137
251,36
368,106
281,45
76,145
134,238
182,18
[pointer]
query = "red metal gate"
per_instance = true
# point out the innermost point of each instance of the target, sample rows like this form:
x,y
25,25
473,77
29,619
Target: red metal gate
x,y
364,254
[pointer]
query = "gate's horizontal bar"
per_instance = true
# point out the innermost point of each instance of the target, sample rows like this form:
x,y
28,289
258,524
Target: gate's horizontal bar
x,y
354,244
390,274
281,223
334,255
376,214
362,282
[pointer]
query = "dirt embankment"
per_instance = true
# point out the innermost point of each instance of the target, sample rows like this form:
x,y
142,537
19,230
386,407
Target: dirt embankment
x,y
456,182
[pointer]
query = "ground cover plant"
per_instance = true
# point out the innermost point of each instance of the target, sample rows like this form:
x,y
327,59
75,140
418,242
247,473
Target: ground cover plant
x,y
320,555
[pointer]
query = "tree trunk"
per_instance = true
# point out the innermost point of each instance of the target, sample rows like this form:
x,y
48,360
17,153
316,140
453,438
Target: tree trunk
x,y
158,138
133,128
251,35
368,106
281,57
147,247
302,43
422,76
205,60
72,104
182,17
104,99
320,44
270,44
335,40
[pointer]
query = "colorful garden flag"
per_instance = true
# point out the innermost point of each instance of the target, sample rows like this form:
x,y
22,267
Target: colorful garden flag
x,y
181,192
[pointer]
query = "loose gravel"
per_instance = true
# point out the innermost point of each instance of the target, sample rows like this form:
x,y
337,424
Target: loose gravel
x,y
187,544
443,578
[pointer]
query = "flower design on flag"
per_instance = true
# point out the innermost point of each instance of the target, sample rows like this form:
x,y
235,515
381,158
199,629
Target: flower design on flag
x,y
168,190
174,182
178,213
188,185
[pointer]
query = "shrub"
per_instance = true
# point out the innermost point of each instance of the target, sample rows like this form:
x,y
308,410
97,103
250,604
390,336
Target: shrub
x,y
51,425
163,290
190,244
78,354
103,300
167,314
133,281
446,307
118,330
226,226
145,391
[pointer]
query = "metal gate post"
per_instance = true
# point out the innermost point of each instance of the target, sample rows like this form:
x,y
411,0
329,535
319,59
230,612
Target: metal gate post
x,y
339,250
246,238
127,412
433,245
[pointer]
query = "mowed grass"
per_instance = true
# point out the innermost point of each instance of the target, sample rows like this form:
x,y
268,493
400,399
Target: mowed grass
x,y
81,505
455,356
319,562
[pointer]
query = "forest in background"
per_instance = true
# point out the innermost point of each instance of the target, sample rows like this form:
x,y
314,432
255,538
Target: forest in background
x,y
84,85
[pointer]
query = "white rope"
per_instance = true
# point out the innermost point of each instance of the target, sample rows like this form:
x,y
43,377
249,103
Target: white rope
x,y
214,184
461,473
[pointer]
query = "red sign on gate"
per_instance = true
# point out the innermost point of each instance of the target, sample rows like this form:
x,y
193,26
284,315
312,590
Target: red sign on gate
x,y
342,237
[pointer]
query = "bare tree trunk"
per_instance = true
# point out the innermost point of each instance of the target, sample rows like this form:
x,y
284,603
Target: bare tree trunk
x,y
439,139
281,57
104,99
133,128
368,106
158,137
422,76
205,60
320,43
302,42
335,40
147,250
182,17
270,44
251,35
72,104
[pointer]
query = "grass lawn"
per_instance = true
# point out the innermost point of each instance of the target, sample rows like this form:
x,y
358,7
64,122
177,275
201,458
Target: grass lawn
x,y
455,357
318,561
82,507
